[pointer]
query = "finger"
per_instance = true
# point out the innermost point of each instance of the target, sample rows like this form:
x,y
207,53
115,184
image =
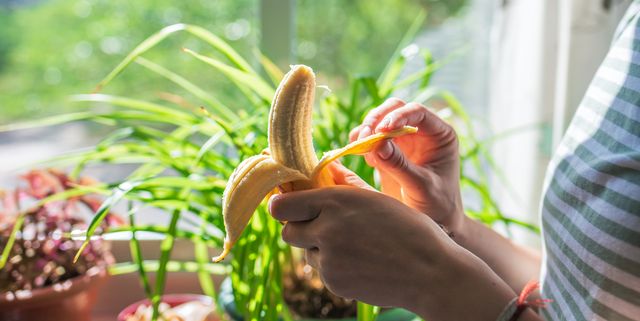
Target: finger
x,y
354,133
390,159
299,234
365,131
297,206
312,258
377,114
343,176
414,114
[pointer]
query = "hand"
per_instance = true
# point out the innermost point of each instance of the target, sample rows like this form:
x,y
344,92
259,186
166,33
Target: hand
x,y
371,247
343,176
423,169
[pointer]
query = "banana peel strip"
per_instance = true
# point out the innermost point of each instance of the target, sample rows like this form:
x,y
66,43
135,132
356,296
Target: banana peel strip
x,y
361,146
255,178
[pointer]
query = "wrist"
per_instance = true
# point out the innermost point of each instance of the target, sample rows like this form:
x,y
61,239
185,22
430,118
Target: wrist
x,y
464,288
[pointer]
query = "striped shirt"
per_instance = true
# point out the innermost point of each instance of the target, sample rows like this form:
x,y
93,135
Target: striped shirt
x,y
591,205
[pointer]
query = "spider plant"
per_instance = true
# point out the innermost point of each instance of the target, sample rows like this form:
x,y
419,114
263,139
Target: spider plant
x,y
186,143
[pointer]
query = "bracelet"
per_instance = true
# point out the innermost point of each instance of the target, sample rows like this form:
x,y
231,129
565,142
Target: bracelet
x,y
509,312
517,305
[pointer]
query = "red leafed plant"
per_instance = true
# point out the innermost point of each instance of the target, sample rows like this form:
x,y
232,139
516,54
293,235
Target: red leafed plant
x,y
40,251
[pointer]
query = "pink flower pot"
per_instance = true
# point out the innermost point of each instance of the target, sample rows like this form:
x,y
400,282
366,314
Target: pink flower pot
x,y
170,299
71,300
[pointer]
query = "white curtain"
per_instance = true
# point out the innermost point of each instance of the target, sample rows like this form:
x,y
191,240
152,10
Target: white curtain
x,y
544,54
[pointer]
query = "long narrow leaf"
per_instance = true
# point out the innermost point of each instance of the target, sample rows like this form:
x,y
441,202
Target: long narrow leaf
x,y
243,78
171,266
48,121
136,252
220,45
158,37
272,70
165,254
102,212
135,104
192,88
139,50
391,71
12,239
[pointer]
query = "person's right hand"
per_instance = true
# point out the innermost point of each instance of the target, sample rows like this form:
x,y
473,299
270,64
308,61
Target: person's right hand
x,y
423,169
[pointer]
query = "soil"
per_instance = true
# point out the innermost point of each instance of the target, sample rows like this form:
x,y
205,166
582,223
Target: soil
x,y
307,296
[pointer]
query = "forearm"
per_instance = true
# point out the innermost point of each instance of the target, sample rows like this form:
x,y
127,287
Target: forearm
x,y
515,264
469,290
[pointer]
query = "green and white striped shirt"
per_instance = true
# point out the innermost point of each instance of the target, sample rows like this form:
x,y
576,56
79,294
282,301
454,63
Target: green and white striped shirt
x,y
591,207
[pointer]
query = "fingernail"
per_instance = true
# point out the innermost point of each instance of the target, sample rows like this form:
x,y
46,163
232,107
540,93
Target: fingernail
x,y
270,202
385,150
366,131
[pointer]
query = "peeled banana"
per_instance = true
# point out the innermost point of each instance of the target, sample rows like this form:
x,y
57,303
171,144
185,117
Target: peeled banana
x,y
290,163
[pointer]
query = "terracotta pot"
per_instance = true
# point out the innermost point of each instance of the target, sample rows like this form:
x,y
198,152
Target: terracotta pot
x,y
227,302
71,300
170,299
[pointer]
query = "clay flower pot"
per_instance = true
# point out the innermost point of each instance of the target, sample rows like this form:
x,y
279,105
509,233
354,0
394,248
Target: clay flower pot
x,y
171,299
71,300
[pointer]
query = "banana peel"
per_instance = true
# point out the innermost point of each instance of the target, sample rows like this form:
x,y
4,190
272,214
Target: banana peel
x,y
290,163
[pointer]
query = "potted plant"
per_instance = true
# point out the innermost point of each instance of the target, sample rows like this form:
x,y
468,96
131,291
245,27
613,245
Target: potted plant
x,y
38,279
186,143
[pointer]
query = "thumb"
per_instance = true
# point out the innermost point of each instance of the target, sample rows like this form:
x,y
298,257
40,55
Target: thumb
x,y
390,159
343,176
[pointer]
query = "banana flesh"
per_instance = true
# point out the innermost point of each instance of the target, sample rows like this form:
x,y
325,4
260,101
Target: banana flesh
x,y
290,163
290,117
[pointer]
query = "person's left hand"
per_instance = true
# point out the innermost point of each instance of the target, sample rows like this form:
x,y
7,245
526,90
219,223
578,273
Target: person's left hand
x,y
371,247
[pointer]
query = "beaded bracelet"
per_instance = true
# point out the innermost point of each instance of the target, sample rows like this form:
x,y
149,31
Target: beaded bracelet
x,y
517,305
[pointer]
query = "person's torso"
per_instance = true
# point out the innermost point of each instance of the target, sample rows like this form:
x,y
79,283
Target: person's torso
x,y
591,205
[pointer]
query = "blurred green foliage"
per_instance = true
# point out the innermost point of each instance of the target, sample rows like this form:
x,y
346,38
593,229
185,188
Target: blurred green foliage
x,y
51,49
67,46
343,38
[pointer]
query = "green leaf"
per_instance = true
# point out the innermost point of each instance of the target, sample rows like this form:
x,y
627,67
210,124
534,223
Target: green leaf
x,y
12,239
242,78
158,37
48,121
272,70
143,47
193,182
165,254
118,193
192,88
136,104
136,253
428,62
373,90
393,67
171,266
220,45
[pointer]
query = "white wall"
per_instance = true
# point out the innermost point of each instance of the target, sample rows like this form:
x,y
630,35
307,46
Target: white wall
x,y
522,81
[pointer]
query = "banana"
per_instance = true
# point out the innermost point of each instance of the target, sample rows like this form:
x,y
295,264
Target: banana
x,y
290,163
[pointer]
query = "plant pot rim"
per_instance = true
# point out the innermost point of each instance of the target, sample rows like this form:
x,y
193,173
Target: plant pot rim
x,y
225,297
172,299
47,295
